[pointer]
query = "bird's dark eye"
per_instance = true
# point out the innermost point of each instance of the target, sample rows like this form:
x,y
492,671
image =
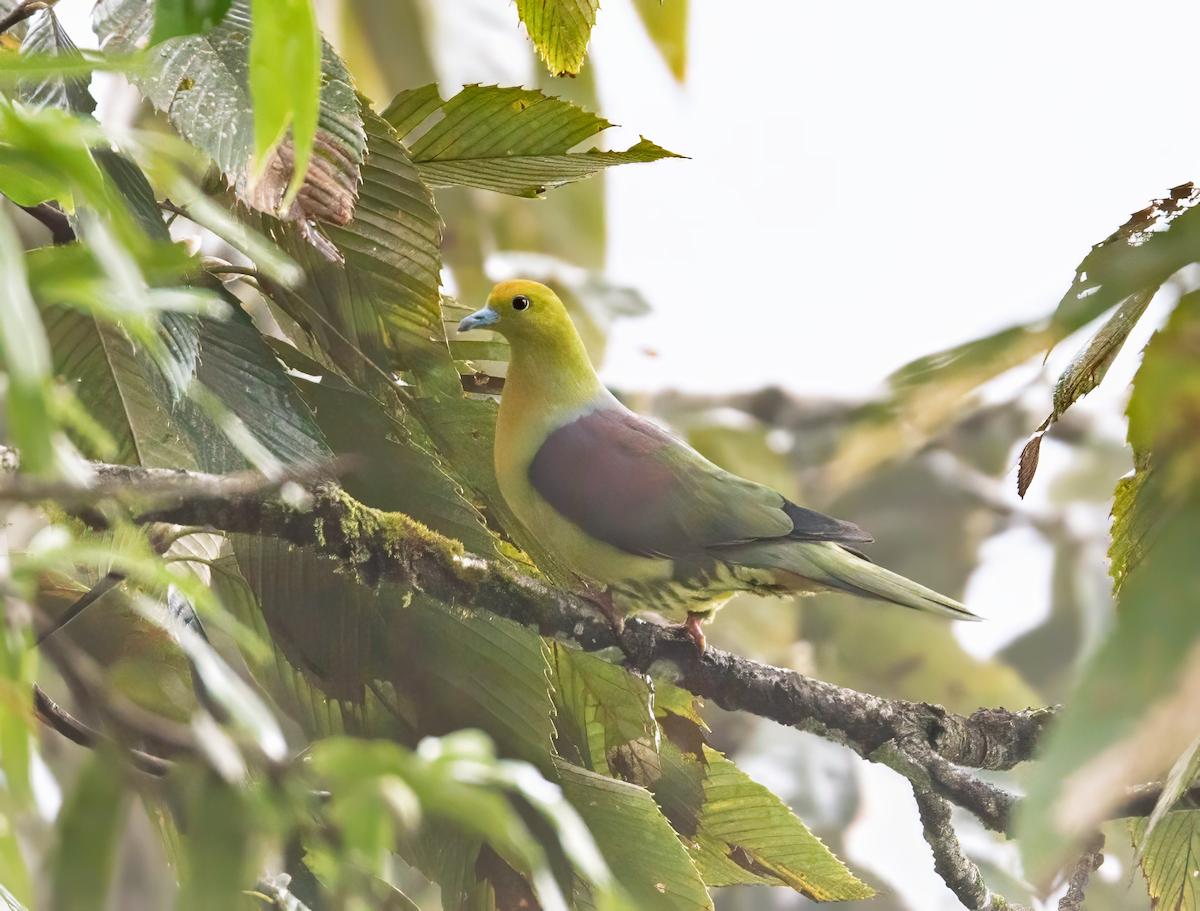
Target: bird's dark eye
x,y
520,302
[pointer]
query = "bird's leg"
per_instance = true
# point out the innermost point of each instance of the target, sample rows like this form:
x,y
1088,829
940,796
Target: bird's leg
x,y
691,628
604,603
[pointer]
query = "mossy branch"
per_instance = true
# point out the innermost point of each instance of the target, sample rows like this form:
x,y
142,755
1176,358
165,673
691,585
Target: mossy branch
x,y
928,744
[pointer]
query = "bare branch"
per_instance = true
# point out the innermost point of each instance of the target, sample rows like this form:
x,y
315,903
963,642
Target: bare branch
x,y
1088,864
393,547
54,716
23,11
53,218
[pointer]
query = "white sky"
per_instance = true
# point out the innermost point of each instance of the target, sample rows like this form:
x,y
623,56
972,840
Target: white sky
x,y
871,181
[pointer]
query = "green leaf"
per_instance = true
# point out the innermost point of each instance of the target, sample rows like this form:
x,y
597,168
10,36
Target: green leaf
x,y
559,30
285,83
444,670
389,462
747,835
219,862
666,22
290,687
89,829
1119,727
44,155
47,37
111,382
1181,777
599,706
636,840
25,352
123,23
130,180
510,140
379,791
929,392
1170,856
1138,256
203,84
238,367
173,18
378,313
13,873
224,687
487,672
1088,367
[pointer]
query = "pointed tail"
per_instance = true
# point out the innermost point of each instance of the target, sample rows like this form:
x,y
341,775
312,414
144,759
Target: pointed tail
x,y
832,566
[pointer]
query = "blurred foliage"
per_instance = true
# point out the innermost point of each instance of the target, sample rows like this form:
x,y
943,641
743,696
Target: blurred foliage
x,y
269,729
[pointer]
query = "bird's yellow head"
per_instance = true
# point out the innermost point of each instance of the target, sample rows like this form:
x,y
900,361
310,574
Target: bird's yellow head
x,y
524,312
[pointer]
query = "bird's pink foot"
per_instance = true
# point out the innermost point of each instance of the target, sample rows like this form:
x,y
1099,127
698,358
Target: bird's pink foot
x,y
691,629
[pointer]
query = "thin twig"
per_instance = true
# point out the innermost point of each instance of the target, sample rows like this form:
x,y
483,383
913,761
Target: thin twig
x,y
97,591
391,546
55,219
23,11
233,270
57,718
1088,864
89,684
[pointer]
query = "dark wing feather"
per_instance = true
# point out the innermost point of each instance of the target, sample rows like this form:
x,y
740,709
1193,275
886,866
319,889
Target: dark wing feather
x,y
810,525
625,481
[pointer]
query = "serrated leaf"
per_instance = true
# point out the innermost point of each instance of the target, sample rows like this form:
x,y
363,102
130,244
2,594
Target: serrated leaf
x,y
1088,367
1170,858
599,706
746,835
224,687
1085,373
239,368
136,190
448,670
560,30
929,392
378,313
487,672
89,829
1118,728
48,38
110,381
1181,777
123,24
666,22
636,840
289,686
510,140
202,82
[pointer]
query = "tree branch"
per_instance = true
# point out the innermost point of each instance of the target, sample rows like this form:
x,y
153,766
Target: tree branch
x,y
932,747
53,218
23,11
53,716
1088,864
394,547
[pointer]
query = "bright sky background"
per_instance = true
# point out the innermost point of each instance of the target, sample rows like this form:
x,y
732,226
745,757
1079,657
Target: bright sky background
x,y
871,181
